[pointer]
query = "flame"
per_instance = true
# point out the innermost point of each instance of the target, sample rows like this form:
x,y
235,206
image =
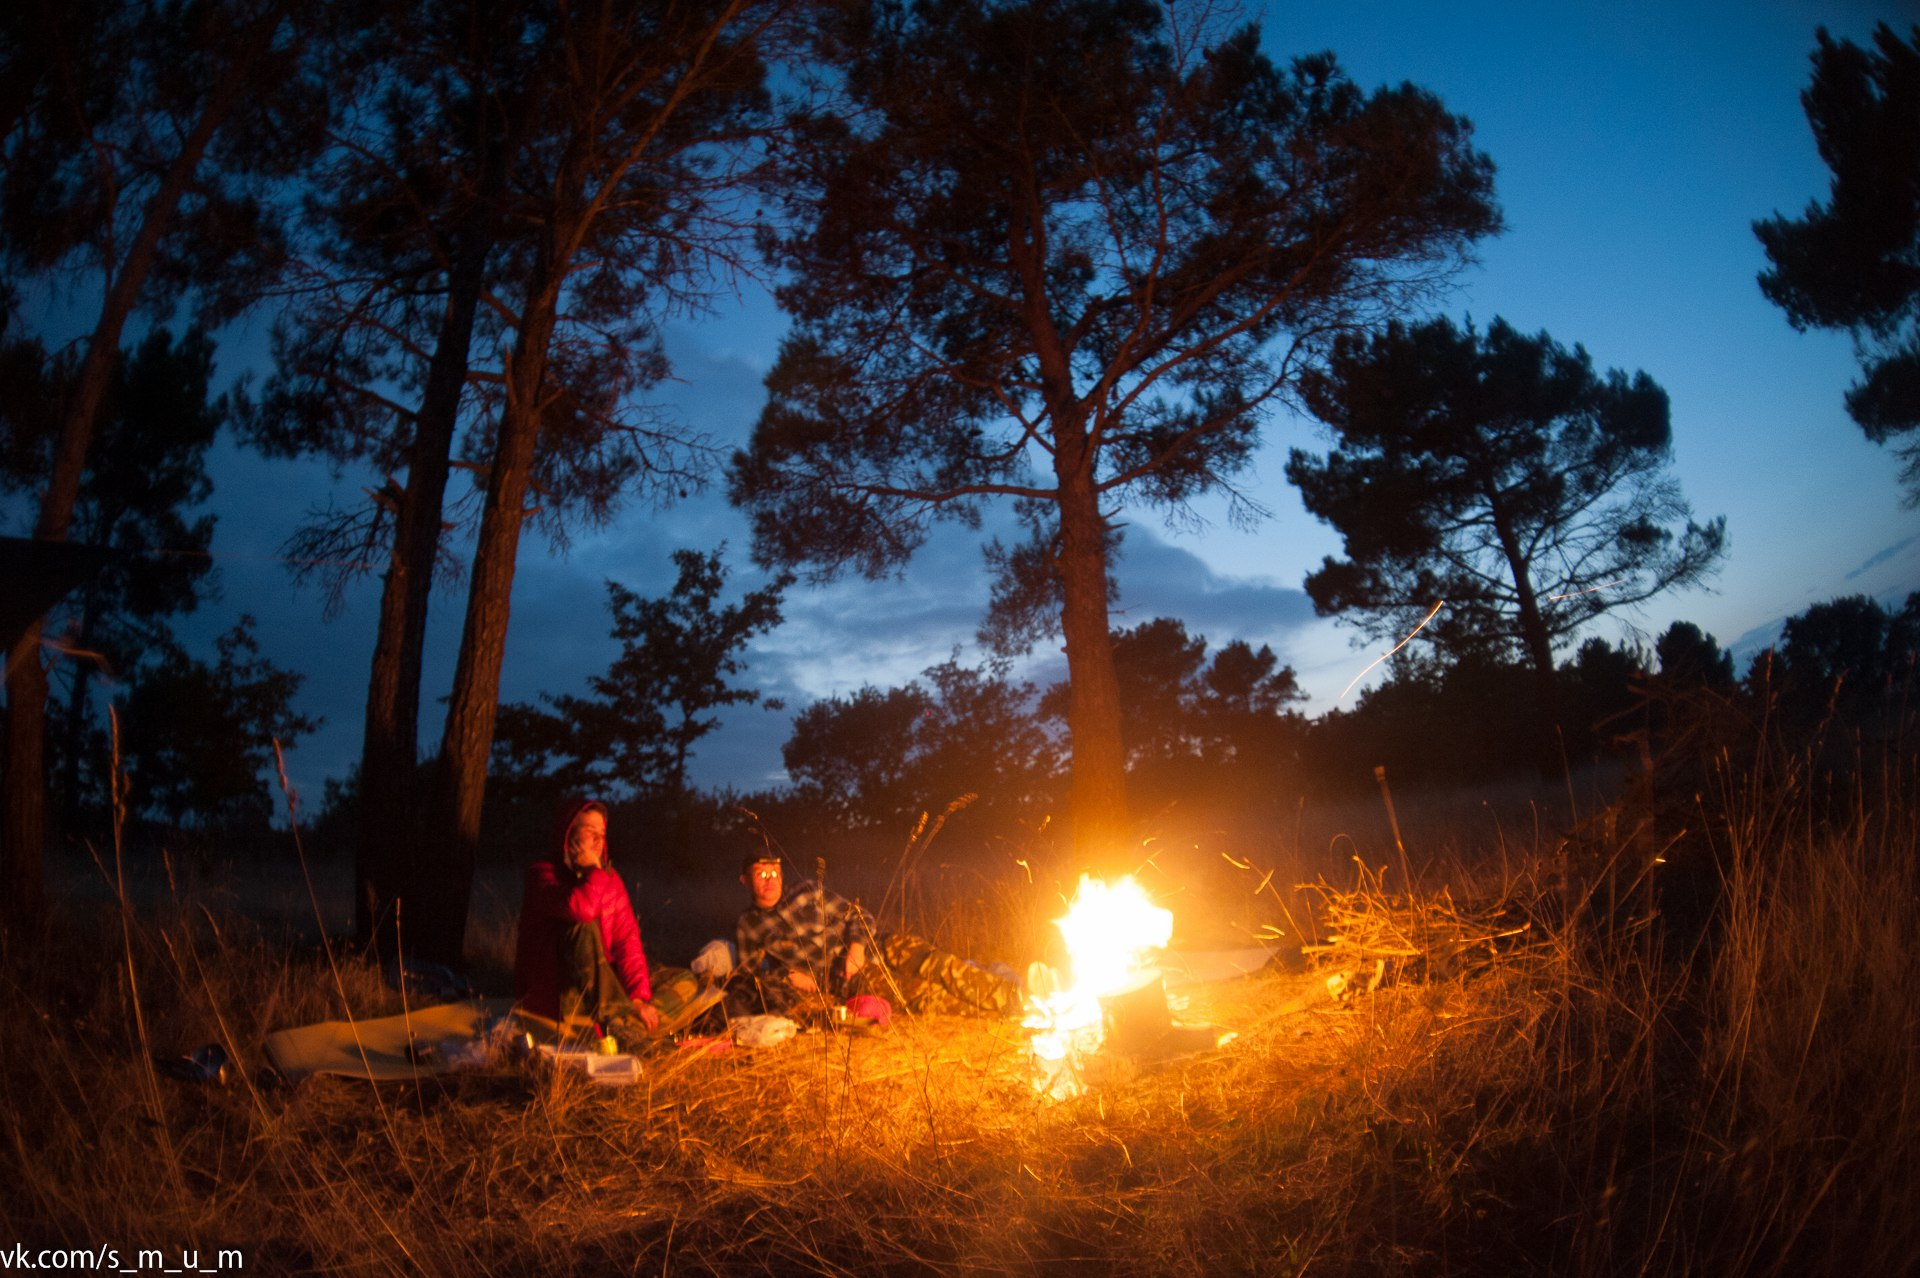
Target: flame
x,y
1108,931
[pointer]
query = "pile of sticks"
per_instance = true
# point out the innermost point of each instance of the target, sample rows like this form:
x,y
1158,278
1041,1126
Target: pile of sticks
x,y
1372,933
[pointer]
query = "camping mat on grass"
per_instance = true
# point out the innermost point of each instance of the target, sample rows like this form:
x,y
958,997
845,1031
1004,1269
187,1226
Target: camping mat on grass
x,y
432,1040
420,1042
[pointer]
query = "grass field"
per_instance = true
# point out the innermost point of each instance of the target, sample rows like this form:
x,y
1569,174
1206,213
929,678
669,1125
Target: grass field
x,y
1552,1082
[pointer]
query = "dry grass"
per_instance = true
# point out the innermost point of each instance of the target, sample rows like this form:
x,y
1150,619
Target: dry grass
x,y
1569,1099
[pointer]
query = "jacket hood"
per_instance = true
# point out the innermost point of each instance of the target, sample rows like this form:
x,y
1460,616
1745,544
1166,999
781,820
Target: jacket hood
x,y
565,815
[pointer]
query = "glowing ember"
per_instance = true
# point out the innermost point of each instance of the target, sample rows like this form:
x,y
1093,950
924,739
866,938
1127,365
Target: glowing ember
x,y
1108,930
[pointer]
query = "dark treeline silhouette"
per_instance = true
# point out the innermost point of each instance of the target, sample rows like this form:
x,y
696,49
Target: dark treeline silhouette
x,y
1217,740
143,144
473,214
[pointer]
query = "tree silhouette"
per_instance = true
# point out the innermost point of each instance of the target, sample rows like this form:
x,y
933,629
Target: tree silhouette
x,y
1244,709
1691,657
1500,476
140,141
852,755
403,234
1429,722
679,658
1853,264
146,474
981,736
627,192
1158,665
1840,682
1193,726
876,759
1598,690
1062,252
197,739
1841,657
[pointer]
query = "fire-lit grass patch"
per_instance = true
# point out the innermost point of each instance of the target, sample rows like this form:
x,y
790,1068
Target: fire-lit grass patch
x,y
1571,1098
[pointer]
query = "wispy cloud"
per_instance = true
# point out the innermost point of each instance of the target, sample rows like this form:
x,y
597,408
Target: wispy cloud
x,y
1890,553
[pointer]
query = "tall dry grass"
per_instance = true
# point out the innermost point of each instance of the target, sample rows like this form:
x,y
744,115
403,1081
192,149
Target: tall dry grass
x,y
1552,1082
1811,1048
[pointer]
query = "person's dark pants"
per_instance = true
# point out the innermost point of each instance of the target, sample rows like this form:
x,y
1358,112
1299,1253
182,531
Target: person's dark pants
x,y
910,972
754,994
589,987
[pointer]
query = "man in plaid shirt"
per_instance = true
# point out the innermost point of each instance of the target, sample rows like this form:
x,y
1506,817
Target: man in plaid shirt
x,y
808,941
801,941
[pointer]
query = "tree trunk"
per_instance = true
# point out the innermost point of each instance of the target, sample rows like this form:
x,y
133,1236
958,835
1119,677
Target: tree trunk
x,y
440,913
387,861
70,812
1551,750
1099,758
1548,752
24,789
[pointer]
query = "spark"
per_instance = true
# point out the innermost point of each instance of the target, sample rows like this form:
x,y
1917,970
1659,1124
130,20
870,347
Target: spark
x,y
1397,647
1575,594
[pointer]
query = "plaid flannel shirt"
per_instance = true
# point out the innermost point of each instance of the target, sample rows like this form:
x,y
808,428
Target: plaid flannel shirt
x,y
807,928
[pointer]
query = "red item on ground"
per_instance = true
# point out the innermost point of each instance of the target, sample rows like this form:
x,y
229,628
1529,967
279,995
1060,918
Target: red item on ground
x,y
871,1007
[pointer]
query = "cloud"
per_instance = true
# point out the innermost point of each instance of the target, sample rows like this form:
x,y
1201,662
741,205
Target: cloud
x,y
836,638
1754,642
1160,579
715,392
1884,556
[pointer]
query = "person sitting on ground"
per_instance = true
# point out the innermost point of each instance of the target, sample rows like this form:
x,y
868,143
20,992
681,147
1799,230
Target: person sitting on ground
x,y
579,956
795,944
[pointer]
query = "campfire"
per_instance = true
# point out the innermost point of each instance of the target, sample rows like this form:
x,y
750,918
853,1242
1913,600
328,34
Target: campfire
x,y
1114,998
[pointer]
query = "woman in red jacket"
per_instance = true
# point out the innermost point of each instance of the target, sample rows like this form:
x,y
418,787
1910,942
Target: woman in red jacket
x,y
579,951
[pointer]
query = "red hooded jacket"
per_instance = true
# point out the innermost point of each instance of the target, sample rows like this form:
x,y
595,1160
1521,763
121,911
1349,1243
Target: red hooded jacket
x,y
554,898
